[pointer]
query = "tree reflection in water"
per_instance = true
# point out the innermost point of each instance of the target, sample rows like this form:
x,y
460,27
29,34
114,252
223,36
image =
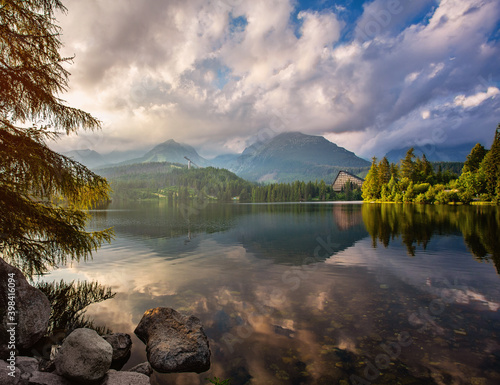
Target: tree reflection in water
x,y
416,224
69,302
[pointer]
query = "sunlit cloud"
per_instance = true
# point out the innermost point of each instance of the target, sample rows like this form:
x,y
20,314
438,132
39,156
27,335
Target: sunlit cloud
x,y
214,74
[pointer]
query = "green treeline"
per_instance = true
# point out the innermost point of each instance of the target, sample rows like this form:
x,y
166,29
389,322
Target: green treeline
x,y
301,192
173,181
177,183
415,179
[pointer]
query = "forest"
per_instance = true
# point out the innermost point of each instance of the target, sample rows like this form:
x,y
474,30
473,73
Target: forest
x,y
414,179
177,183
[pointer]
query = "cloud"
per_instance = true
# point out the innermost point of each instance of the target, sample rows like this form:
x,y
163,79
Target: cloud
x,y
475,100
214,74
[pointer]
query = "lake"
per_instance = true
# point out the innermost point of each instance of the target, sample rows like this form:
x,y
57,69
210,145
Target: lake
x,y
305,293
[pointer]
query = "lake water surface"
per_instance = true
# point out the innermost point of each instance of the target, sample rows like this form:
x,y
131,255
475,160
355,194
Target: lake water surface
x,y
311,293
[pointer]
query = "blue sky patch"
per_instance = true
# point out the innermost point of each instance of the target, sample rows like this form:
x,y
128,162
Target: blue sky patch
x,y
223,77
237,24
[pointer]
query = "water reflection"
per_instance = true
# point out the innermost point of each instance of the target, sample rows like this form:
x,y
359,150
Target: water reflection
x,y
276,314
283,233
69,301
417,224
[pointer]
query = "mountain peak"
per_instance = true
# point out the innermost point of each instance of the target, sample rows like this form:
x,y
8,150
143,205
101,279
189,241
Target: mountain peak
x,y
290,154
173,152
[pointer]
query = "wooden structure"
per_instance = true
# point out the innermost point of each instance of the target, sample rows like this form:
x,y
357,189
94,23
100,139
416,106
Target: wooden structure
x,y
343,177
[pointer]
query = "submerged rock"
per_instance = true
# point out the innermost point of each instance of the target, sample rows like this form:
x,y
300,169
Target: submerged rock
x,y
31,306
174,342
84,357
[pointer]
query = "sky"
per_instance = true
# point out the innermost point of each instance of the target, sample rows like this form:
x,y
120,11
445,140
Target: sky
x,y
370,76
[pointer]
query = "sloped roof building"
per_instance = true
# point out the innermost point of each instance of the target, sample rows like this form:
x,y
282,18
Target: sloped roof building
x,y
343,177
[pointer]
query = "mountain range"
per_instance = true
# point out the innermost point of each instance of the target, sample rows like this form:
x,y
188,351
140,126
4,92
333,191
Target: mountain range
x,y
294,156
287,157
172,152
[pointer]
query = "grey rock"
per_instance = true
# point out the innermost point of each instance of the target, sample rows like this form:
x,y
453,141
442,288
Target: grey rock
x,y
42,378
174,343
5,378
121,344
27,366
31,305
84,357
125,378
144,368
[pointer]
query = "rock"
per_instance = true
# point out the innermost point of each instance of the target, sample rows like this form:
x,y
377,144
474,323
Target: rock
x,y
174,342
31,305
5,378
27,366
121,344
41,378
84,357
144,368
125,378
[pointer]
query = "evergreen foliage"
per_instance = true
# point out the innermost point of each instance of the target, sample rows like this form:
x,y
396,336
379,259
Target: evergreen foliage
x,y
36,230
475,158
490,166
416,179
408,165
384,171
177,183
371,187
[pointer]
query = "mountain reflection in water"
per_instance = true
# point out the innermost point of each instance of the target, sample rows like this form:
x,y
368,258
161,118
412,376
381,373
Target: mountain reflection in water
x,y
311,293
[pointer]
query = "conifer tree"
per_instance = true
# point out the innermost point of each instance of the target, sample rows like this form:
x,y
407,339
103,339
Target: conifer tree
x,y
408,165
475,158
35,232
371,186
426,170
394,171
490,165
384,170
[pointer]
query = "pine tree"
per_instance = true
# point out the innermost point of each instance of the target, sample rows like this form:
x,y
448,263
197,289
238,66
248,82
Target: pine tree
x,y
384,170
475,158
490,165
36,232
426,170
371,186
394,171
408,165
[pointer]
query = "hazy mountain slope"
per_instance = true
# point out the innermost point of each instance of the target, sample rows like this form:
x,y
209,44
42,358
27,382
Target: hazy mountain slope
x,y
224,161
172,152
434,153
89,158
296,156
